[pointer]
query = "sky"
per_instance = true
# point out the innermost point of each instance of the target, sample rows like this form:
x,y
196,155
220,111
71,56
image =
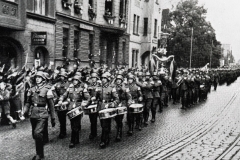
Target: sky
x,y
224,16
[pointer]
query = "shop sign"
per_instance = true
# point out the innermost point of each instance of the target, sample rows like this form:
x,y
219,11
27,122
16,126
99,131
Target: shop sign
x,y
39,38
87,27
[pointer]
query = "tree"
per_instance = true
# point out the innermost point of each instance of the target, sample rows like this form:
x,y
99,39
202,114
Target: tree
x,y
187,16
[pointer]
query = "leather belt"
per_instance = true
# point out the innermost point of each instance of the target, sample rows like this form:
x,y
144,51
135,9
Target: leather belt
x,y
39,105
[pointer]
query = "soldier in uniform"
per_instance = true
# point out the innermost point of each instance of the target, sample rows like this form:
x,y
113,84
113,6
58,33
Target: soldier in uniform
x,y
136,95
39,98
147,87
75,95
164,91
107,98
125,99
93,116
215,79
156,95
60,89
184,90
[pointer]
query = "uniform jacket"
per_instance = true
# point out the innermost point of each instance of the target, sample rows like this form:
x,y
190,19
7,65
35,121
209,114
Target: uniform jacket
x,y
74,96
157,88
146,88
135,92
107,94
124,94
39,99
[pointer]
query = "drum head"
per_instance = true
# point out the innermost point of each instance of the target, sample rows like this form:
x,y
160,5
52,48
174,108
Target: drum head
x,y
136,105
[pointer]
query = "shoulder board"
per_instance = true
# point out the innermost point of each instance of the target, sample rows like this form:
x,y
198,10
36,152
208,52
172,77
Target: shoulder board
x,y
49,94
114,89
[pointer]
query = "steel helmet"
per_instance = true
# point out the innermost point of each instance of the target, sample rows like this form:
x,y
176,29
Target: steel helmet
x,y
40,74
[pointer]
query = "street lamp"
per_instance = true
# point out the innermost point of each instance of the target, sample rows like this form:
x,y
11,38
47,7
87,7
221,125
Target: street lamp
x,y
210,32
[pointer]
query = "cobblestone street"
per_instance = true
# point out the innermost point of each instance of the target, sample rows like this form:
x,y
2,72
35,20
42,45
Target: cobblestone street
x,y
202,132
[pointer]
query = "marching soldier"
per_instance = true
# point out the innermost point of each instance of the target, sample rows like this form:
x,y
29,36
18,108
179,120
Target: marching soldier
x,y
60,89
147,87
76,94
93,116
184,90
215,80
39,98
156,95
164,92
107,98
125,99
136,95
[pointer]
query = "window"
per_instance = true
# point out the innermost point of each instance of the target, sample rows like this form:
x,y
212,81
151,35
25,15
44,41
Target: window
x,y
65,42
124,51
123,8
135,24
40,7
155,28
76,44
145,29
108,7
134,58
90,4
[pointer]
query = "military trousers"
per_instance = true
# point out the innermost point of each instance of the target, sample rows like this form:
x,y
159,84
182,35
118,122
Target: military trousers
x,y
75,126
147,106
93,121
106,127
62,120
38,127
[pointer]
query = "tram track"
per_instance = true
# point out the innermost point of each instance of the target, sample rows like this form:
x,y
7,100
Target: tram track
x,y
173,147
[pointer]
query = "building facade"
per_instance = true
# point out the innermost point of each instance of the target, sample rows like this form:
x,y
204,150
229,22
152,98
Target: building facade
x,y
144,28
92,27
12,25
40,32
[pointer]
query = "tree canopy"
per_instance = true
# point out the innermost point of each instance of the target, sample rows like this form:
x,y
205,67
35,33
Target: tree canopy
x,y
189,15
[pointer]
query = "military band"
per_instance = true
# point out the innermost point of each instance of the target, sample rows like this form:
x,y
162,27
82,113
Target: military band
x,y
102,94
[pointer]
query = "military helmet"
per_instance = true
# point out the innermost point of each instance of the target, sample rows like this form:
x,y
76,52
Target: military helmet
x,y
106,75
119,77
147,74
77,77
140,74
64,74
155,74
94,75
40,74
131,76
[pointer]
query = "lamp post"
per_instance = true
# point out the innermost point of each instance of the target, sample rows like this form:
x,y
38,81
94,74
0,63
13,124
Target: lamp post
x,y
211,36
211,54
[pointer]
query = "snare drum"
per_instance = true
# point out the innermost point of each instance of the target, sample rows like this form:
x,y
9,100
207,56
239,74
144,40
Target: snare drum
x,y
121,110
75,112
90,109
107,113
135,108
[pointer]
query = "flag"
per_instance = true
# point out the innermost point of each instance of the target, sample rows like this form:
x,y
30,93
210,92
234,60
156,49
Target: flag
x,y
173,68
205,68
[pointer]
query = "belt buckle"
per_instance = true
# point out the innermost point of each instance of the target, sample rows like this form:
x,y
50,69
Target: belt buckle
x,y
35,105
